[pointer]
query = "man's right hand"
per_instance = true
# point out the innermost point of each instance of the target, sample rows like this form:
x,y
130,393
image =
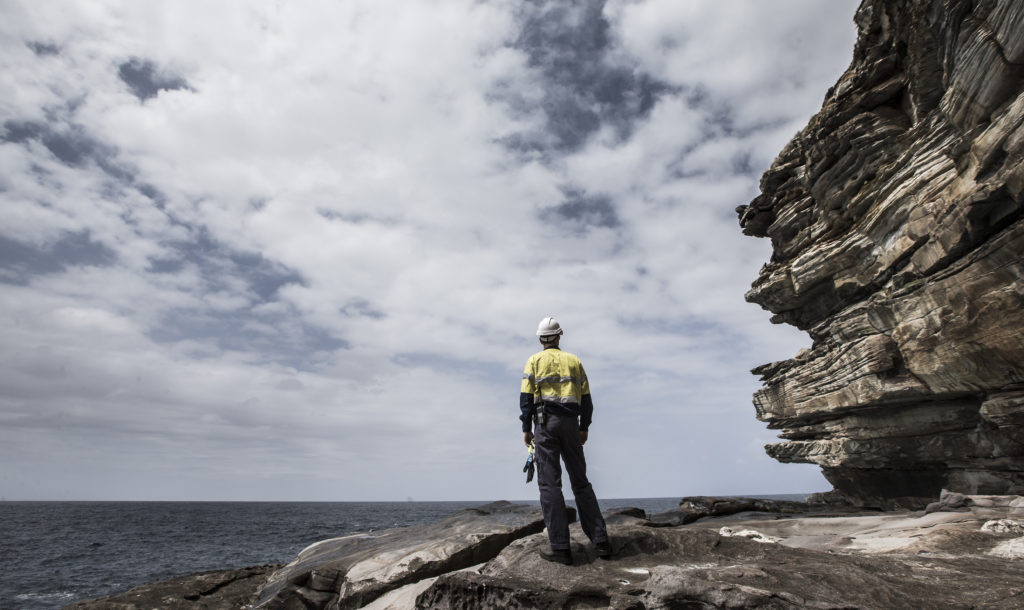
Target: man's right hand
x,y
527,438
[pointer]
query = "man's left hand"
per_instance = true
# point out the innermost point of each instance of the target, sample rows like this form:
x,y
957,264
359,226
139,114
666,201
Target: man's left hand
x,y
583,437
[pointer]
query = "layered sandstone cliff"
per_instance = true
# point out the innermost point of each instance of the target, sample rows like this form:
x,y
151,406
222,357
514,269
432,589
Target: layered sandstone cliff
x,y
897,224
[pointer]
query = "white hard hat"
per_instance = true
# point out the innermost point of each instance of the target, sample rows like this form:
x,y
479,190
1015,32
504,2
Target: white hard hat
x,y
548,326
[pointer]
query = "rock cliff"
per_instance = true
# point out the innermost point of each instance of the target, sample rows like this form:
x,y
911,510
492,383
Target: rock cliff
x,y
897,231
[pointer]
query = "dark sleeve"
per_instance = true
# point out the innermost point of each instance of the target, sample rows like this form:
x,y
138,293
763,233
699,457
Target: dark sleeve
x,y
526,410
586,412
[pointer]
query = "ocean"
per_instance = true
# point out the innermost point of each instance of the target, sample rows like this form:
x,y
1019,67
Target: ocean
x,y
55,553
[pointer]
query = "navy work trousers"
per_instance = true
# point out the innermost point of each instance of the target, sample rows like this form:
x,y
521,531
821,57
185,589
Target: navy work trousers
x,y
559,437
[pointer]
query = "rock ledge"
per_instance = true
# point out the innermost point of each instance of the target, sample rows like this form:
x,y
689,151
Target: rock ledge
x,y
967,552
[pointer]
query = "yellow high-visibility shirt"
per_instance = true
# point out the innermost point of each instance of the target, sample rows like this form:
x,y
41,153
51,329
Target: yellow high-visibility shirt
x,y
555,377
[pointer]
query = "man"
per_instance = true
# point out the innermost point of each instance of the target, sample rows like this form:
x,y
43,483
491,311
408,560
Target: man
x,y
555,397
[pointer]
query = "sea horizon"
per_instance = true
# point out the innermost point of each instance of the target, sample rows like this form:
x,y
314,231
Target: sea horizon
x,y
406,500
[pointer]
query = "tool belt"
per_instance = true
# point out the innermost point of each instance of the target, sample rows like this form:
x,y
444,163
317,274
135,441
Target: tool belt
x,y
540,415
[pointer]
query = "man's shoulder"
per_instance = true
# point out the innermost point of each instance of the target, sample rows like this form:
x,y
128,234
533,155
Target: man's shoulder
x,y
554,353
541,354
534,357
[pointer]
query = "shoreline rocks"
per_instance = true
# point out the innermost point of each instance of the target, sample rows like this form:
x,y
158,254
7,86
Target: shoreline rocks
x,y
969,552
207,590
694,508
354,570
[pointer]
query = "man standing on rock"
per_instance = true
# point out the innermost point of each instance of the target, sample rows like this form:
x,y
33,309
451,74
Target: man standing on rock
x,y
555,398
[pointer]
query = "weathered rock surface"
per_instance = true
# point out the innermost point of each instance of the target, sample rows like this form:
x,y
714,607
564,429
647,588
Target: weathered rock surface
x,y
969,556
209,590
897,225
703,568
868,560
353,571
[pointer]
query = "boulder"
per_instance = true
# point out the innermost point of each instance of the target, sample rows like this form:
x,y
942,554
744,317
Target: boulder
x,y
1004,526
949,502
896,218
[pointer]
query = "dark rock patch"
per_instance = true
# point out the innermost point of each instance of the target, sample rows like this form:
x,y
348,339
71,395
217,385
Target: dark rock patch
x,y
209,590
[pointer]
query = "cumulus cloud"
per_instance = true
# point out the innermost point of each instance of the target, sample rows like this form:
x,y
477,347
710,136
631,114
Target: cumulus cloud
x,y
298,252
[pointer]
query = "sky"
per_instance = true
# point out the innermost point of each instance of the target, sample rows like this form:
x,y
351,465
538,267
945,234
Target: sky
x,y
298,251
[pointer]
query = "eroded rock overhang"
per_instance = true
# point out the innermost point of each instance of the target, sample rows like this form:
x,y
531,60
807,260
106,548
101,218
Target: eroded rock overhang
x,y
896,218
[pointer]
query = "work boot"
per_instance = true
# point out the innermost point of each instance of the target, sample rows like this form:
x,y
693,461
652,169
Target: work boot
x,y
562,556
604,549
